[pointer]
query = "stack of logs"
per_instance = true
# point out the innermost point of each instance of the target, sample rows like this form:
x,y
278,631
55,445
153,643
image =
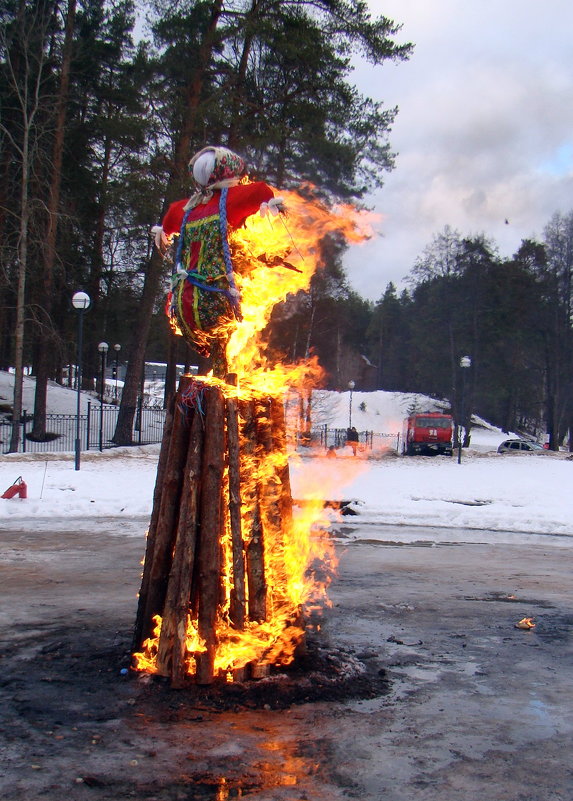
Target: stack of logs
x,y
202,496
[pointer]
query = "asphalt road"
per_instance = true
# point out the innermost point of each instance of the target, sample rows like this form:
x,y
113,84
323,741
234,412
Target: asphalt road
x,y
476,708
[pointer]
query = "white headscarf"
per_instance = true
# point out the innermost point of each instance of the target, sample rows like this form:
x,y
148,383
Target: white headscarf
x,y
214,168
203,165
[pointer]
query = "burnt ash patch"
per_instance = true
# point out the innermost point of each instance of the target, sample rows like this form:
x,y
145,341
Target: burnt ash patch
x,y
57,677
318,675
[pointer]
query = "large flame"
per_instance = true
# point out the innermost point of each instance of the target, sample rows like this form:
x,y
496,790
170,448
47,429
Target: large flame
x,y
273,256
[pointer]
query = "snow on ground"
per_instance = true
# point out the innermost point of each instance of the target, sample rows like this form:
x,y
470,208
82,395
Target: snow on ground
x,y
505,493
61,400
521,493
383,413
380,412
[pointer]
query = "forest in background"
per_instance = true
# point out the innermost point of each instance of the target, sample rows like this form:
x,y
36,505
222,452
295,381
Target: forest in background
x,y
98,118
98,122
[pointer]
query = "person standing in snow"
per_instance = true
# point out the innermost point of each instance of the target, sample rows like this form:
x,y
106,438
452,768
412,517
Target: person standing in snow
x,y
352,439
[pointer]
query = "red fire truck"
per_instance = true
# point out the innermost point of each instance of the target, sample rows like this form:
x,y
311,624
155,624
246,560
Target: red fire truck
x,y
428,432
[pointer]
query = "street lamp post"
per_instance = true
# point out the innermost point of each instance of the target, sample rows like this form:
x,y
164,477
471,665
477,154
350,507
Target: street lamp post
x,y
351,386
117,349
103,348
465,362
81,302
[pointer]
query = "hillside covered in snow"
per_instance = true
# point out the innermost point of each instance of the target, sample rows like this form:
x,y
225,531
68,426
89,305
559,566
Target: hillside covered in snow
x,y
379,412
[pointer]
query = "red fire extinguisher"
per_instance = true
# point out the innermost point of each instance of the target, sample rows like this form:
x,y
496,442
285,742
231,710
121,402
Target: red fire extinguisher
x,y
19,487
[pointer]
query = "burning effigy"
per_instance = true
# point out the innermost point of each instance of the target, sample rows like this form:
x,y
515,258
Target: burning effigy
x,y
227,585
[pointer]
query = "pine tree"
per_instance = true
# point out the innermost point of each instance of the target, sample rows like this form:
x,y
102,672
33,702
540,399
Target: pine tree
x,y
45,342
556,280
235,74
388,337
108,142
511,384
24,46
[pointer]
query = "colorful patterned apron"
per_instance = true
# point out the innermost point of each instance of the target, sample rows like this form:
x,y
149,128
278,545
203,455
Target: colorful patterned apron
x,y
203,290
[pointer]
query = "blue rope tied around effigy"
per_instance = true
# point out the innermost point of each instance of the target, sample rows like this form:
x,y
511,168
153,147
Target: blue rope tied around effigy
x,y
178,272
208,288
234,293
177,264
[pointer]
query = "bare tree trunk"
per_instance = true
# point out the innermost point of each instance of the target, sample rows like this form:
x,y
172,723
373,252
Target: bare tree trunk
x,y
21,290
26,79
310,326
156,266
20,300
238,94
45,342
136,352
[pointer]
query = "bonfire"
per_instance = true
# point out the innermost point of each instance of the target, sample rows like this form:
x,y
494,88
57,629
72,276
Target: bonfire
x,y
228,582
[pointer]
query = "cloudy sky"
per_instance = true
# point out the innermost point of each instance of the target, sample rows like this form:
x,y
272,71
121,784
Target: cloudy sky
x,y
484,131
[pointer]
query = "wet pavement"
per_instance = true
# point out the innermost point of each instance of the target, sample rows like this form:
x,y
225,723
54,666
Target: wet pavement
x,y
476,708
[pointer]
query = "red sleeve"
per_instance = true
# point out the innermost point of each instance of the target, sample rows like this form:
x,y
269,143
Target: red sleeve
x,y
244,200
174,217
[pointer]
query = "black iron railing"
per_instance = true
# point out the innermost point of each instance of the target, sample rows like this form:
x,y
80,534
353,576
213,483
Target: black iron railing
x,y
325,437
96,429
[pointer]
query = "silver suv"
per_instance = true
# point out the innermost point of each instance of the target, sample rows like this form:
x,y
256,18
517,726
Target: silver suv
x,y
519,446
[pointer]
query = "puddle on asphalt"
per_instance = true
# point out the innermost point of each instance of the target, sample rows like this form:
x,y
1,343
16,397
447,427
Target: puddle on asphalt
x,y
284,768
373,532
420,672
221,792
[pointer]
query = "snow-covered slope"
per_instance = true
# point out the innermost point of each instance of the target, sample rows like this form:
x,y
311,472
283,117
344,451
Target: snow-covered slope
x,y
380,412
500,492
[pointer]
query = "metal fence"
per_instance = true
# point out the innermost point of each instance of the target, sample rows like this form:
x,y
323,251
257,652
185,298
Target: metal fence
x,y
336,437
96,429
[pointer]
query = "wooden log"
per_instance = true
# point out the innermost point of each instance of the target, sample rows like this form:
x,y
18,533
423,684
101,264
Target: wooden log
x,y
253,533
279,435
224,532
259,670
152,530
211,528
237,605
270,494
172,644
165,530
285,502
198,506
255,557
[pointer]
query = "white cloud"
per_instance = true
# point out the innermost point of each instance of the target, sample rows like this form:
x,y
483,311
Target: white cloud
x,y
484,131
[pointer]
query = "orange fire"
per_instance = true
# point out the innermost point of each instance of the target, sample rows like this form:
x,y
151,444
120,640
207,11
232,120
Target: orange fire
x,y
525,623
273,257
